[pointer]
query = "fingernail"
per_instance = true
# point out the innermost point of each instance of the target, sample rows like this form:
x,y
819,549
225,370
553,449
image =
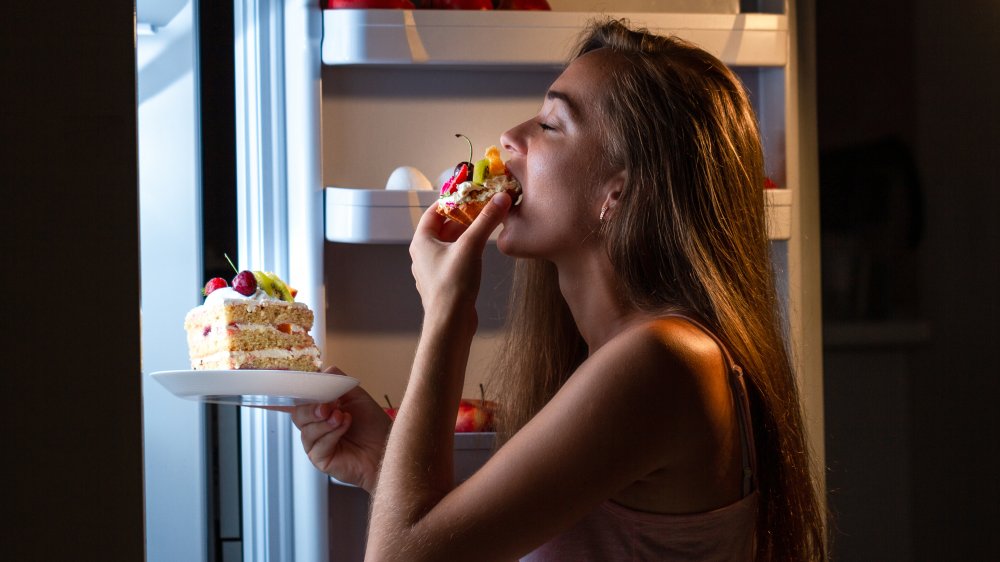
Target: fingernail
x,y
334,420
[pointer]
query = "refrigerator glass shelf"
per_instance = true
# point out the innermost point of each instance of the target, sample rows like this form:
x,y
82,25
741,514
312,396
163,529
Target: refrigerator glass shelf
x,y
519,39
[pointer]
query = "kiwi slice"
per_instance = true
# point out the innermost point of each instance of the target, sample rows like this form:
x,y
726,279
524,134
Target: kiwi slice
x,y
271,284
281,290
265,283
479,172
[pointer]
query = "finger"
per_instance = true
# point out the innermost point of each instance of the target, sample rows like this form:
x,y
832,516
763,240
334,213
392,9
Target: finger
x,y
489,219
321,430
430,222
324,450
311,413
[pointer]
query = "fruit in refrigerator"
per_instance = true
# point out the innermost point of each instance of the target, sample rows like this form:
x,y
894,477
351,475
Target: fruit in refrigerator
x,y
370,4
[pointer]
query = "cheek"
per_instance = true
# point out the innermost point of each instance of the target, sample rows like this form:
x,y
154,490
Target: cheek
x,y
551,220
559,187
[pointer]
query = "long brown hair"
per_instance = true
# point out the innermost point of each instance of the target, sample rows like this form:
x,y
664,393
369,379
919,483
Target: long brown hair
x,y
688,235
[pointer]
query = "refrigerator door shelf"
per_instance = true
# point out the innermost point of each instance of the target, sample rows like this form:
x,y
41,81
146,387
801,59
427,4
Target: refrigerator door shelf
x,y
530,38
778,203
374,216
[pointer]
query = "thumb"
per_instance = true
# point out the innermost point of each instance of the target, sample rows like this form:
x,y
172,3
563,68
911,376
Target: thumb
x,y
489,218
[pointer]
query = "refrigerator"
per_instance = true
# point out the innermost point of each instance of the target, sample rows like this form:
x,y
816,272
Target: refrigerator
x,y
328,103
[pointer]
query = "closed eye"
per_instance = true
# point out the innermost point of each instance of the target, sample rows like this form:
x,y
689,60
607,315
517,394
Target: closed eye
x,y
546,127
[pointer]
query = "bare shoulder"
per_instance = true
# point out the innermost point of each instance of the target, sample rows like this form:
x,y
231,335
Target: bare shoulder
x,y
665,370
665,349
639,421
673,382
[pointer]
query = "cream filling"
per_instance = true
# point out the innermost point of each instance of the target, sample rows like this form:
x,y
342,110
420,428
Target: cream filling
x,y
296,328
468,191
273,353
220,329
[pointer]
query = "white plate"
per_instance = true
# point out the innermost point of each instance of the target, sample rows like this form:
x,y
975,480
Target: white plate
x,y
256,388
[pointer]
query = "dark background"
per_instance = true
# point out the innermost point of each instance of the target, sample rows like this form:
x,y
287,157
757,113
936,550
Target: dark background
x,y
908,132
906,101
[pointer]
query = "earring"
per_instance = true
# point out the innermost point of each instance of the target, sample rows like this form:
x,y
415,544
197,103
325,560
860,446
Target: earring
x,y
603,211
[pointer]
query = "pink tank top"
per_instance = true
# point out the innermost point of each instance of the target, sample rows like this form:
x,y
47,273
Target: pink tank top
x,y
613,532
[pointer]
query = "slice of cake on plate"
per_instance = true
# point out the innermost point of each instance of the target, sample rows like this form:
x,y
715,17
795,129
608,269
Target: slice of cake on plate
x,y
255,324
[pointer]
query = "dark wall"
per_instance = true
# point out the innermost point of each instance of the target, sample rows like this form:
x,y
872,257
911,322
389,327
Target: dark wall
x,y
912,87
955,416
71,371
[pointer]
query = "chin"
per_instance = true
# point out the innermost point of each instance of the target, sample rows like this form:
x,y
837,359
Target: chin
x,y
511,242
506,243
521,237
517,243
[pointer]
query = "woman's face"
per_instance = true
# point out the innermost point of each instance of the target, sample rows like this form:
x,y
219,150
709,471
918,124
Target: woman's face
x,y
559,158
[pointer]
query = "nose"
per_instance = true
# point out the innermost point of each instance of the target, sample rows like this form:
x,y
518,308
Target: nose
x,y
513,140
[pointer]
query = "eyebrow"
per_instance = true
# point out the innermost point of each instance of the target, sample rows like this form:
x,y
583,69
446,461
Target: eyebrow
x,y
557,95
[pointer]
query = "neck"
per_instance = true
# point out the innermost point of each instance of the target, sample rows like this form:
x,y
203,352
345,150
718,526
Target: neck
x,y
591,290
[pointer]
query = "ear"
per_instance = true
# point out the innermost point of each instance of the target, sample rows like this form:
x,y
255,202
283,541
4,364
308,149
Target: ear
x,y
613,190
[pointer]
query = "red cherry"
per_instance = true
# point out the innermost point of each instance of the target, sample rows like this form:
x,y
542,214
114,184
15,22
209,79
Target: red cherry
x,y
213,284
245,283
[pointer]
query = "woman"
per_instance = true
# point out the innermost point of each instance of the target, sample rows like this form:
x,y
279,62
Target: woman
x,y
629,429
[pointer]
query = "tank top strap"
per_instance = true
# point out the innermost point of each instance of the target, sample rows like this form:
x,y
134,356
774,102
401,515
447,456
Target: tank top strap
x,y
741,405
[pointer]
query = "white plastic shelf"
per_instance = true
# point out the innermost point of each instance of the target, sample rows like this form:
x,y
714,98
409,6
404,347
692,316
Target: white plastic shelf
x,y
374,216
778,205
378,216
530,38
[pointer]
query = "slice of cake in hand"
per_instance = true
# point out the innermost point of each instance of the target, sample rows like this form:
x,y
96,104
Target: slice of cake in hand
x,y
465,194
255,324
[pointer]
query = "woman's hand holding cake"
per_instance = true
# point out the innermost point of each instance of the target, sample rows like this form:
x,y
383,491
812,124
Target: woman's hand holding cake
x,y
344,438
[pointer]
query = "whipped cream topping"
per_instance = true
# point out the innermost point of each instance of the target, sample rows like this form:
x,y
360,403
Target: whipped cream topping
x,y
220,296
468,191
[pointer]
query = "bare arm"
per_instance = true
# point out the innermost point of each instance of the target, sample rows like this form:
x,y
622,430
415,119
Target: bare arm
x,y
417,468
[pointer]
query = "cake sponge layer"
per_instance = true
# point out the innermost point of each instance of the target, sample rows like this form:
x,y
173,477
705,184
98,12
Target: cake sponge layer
x,y
228,361
250,312
236,338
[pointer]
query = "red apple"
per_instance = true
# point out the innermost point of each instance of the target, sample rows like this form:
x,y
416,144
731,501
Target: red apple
x,y
391,411
370,4
457,4
473,416
523,5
